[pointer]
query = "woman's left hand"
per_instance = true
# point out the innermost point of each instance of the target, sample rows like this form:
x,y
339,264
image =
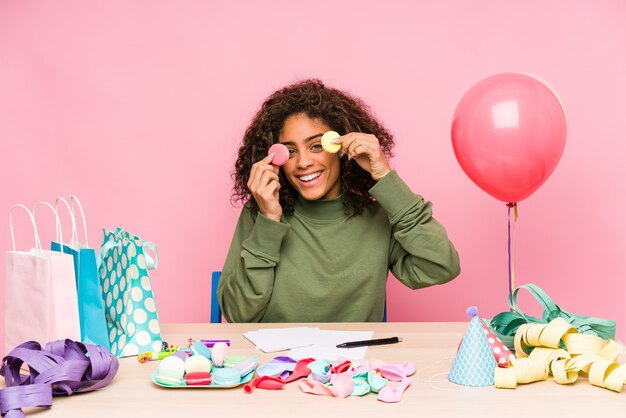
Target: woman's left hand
x,y
365,150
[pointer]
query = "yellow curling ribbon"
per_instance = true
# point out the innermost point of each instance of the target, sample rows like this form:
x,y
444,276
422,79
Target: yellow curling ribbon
x,y
537,347
583,344
505,378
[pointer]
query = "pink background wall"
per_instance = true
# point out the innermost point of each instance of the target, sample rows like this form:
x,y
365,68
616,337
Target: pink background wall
x,y
138,108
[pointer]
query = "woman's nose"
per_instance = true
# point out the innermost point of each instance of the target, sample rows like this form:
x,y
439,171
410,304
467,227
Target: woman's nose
x,y
304,160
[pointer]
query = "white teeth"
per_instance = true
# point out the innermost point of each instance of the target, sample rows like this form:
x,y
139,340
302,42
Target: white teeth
x,y
309,177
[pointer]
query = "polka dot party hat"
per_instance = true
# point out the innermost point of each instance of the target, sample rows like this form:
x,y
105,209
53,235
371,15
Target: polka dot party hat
x,y
474,363
500,351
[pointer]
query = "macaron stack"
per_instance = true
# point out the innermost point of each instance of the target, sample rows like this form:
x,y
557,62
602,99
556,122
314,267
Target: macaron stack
x,y
171,371
206,368
198,379
198,370
226,376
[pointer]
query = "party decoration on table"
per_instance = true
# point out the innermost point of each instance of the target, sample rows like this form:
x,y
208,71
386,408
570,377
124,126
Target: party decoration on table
x,y
232,359
171,371
505,324
221,378
198,378
211,343
166,351
40,299
245,366
197,348
500,351
280,366
394,394
195,364
208,368
300,370
281,154
218,353
181,354
131,313
474,362
328,142
539,352
226,377
321,371
341,379
508,135
61,367
264,382
364,377
153,355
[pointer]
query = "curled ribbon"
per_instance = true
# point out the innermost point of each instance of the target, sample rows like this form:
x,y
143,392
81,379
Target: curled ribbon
x,y
539,352
62,367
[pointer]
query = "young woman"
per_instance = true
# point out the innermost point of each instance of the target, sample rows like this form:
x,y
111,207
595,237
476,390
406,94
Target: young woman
x,y
317,237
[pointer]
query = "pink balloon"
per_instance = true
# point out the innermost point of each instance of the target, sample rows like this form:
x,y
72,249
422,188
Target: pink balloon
x,y
508,134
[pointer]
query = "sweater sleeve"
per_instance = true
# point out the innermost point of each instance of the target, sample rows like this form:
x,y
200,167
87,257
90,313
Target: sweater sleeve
x,y
420,252
247,278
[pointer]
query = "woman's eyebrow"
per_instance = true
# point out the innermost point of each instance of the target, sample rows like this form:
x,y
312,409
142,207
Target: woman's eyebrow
x,y
305,140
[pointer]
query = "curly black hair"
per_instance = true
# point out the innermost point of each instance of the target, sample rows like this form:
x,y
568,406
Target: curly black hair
x,y
339,110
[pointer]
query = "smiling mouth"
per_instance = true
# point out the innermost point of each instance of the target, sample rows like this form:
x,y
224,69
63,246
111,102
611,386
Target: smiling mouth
x,y
309,177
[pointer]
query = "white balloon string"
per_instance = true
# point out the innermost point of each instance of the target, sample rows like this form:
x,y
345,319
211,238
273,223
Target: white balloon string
x,y
439,379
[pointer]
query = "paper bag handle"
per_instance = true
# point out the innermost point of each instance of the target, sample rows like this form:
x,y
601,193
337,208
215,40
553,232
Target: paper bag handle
x,y
74,199
59,232
32,221
151,262
72,218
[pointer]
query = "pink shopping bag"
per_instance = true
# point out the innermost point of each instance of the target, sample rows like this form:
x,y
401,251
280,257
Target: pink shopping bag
x,y
40,292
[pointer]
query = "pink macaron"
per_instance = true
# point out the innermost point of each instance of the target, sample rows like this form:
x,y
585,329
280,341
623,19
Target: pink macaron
x,y
218,352
281,154
198,378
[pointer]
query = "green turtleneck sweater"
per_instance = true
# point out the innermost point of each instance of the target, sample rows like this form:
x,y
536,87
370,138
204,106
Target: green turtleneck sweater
x,y
321,265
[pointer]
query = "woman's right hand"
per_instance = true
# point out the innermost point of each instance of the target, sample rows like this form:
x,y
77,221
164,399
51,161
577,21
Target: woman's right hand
x,y
264,185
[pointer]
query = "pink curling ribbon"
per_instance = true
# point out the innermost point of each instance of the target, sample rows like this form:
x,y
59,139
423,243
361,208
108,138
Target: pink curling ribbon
x,y
63,367
264,382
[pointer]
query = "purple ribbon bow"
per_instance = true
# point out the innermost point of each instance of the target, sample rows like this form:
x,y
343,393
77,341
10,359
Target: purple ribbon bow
x,y
63,367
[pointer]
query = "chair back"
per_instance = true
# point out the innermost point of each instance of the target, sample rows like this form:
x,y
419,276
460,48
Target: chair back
x,y
216,312
385,311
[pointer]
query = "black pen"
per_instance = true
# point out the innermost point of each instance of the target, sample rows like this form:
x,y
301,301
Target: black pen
x,y
379,341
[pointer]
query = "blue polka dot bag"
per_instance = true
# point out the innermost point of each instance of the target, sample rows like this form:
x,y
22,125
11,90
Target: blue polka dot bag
x,y
130,309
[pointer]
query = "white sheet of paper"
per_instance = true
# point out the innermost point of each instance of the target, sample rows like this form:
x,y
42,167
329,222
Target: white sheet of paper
x,y
305,342
325,346
270,340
